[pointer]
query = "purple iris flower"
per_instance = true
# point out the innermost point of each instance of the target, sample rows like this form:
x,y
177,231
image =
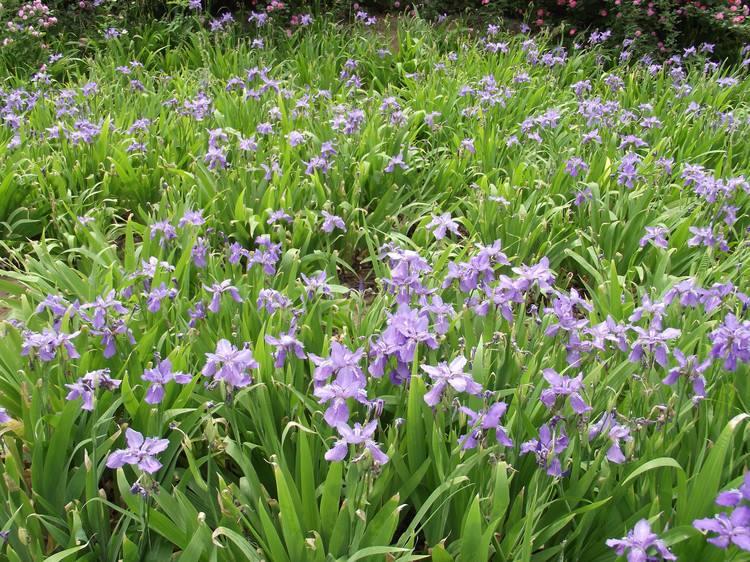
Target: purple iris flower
x,y
397,160
608,331
57,305
198,312
539,274
4,417
628,170
566,309
565,387
641,545
141,452
158,294
732,498
47,343
199,252
441,312
731,341
101,307
167,230
317,282
335,395
632,140
158,377
657,235
575,166
581,87
483,421
616,433
218,289
148,269
441,224
407,269
690,368
109,335
412,328
267,256
194,218
330,222
729,529
216,158
286,343
654,340
85,387
654,308
445,374
230,365
705,236
272,300
468,146
295,138
278,216
342,364
551,444
357,435
248,144
591,136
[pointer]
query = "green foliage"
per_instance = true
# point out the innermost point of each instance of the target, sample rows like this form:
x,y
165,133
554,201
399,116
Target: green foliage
x,y
244,475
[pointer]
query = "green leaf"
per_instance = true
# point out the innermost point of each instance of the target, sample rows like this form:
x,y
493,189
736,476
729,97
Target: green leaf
x,y
238,540
60,556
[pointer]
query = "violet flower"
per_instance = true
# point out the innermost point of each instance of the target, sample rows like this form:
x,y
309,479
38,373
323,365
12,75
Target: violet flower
x,y
397,160
199,252
230,365
317,282
445,374
538,274
278,216
690,368
729,529
357,435
218,289
286,343
483,421
167,230
109,335
194,218
47,343
732,498
158,294
330,222
196,313
641,545
335,395
575,166
342,364
85,387
705,236
102,306
158,377
139,452
616,433
656,235
653,340
441,224
441,312
551,444
731,341
272,300
564,387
